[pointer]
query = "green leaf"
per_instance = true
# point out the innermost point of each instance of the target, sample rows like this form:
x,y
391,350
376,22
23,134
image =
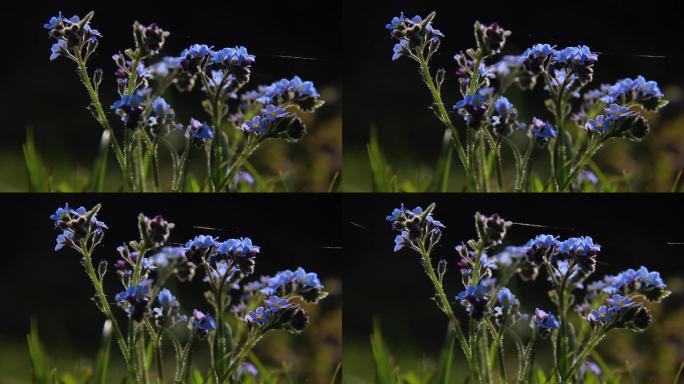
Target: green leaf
x,y
384,374
446,358
34,166
102,360
335,183
100,167
40,372
378,165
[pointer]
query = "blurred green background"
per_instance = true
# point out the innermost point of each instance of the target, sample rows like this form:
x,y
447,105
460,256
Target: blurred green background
x,y
48,98
390,97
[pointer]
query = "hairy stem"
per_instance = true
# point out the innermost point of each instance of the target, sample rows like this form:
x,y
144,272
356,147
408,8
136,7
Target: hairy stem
x,y
446,307
104,305
444,116
102,118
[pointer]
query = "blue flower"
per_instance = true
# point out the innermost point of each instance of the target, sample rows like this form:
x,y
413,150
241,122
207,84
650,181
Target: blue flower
x,y
576,56
168,311
238,248
257,125
275,304
394,215
600,124
534,57
616,112
580,247
130,108
649,279
298,283
242,251
647,88
402,240
473,108
64,239
618,302
545,320
503,106
134,300
199,131
271,112
259,316
505,297
301,93
401,49
603,314
542,129
54,21
191,57
237,56
58,49
61,212
202,322
474,298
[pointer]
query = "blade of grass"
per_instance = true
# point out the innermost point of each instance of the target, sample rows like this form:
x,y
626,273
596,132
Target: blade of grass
x,y
377,163
679,373
97,178
102,361
335,183
34,165
675,185
383,366
39,365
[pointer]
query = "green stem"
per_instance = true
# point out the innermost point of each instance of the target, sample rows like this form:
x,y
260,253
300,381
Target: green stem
x,y
591,344
108,313
444,116
484,346
181,167
244,154
588,154
502,360
180,377
484,172
250,343
526,372
525,167
102,118
446,307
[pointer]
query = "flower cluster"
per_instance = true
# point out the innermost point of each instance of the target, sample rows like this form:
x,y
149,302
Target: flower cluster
x,y
278,313
545,321
143,76
632,282
151,308
294,284
168,311
475,299
414,35
609,112
78,226
130,108
494,309
275,122
416,227
134,300
72,36
284,92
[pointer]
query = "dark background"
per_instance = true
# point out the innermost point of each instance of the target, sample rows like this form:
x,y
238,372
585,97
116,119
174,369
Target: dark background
x,y
392,97
48,96
633,229
52,287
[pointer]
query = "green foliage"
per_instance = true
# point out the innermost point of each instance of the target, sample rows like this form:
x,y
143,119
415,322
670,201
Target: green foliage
x,y
41,372
38,182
